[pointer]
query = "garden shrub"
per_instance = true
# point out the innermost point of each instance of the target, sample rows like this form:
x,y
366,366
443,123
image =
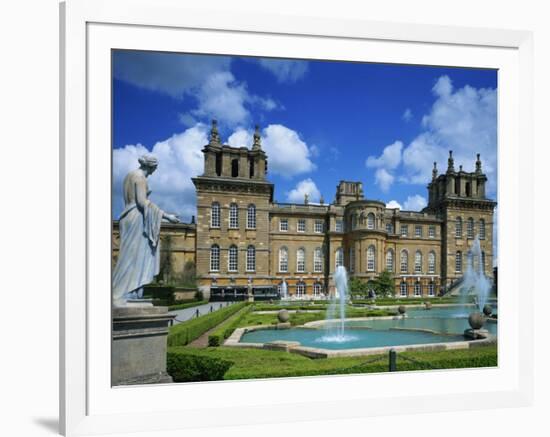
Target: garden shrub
x,y
187,367
226,329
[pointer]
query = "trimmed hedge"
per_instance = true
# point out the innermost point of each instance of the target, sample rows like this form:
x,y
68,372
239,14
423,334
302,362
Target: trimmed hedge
x,y
184,367
184,333
226,329
187,304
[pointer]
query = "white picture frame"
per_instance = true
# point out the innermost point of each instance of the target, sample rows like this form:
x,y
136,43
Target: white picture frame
x,y
90,29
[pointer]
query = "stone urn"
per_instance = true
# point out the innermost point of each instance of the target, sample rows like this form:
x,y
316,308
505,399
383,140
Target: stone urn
x,y
428,305
487,310
476,320
402,309
283,316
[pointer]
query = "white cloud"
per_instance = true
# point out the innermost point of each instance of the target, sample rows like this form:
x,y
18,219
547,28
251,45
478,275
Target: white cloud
x,y
307,186
288,155
285,70
180,159
168,73
463,120
383,179
223,98
393,204
240,138
407,115
415,203
390,158
385,163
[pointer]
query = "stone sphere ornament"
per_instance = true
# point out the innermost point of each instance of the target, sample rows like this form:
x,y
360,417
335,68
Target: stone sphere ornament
x,y
283,316
476,320
401,309
487,310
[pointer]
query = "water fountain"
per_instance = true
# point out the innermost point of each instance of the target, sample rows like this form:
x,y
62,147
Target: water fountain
x,y
336,332
284,290
474,277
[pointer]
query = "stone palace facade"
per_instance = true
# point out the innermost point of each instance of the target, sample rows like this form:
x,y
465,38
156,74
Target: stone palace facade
x,y
243,241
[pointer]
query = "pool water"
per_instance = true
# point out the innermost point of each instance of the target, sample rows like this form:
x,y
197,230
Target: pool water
x,y
444,324
356,338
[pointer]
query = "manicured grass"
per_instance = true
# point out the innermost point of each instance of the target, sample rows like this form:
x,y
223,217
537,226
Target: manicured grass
x,y
181,306
226,328
255,363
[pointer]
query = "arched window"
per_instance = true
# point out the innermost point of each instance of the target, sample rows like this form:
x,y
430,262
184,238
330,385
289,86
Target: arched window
x,y
418,262
458,227
403,289
318,260
482,229
389,260
482,268
233,216
370,221
301,260
283,259
300,289
470,228
371,254
215,215
417,289
353,221
351,259
317,289
458,261
251,217
251,259
404,261
232,260
339,257
215,258
431,262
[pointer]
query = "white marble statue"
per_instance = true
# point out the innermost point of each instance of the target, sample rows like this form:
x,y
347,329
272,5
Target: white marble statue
x,y
138,258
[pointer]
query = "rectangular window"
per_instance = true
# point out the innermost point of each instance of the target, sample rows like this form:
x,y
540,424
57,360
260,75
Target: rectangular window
x,y
403,289
389,228
418,231
417,289
319,226
431,231
233,216
431,289
339,226
215,215
283,225
301,225
318,261
250,259
351,259
404,230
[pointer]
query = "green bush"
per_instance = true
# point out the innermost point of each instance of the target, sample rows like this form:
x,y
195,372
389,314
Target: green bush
x,y
184,367
182,305
162,295
184,333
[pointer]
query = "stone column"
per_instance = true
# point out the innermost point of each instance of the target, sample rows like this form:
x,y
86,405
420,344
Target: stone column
x,y
138,354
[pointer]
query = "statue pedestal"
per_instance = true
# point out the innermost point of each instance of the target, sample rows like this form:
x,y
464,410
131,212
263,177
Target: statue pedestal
x,y
138,354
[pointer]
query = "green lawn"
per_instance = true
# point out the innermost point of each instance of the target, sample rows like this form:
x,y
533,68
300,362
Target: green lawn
x,y
255,363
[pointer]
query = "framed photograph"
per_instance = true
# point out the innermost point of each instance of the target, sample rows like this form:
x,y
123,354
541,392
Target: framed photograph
x,y
258,204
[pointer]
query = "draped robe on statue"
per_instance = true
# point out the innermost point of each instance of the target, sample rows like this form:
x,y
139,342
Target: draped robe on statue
x,y
138,258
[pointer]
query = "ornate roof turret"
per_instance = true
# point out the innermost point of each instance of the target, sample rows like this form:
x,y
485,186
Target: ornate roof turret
x,y
478,164
214,134
257,139
434,171
450,162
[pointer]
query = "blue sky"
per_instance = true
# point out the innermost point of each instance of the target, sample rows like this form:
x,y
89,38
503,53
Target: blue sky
x,y
321,122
